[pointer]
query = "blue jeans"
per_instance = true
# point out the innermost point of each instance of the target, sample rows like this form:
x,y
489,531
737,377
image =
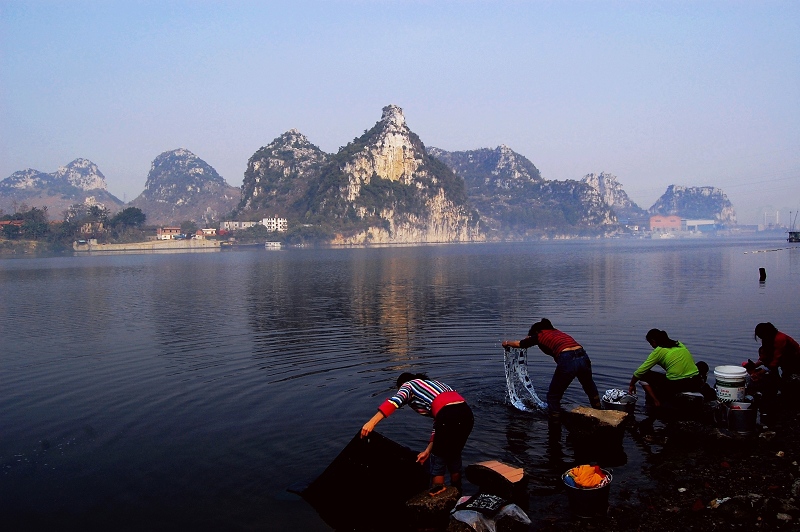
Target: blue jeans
x,y
571,364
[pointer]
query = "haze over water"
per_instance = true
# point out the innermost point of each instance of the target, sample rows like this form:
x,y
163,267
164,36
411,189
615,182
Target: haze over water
x,y
190,390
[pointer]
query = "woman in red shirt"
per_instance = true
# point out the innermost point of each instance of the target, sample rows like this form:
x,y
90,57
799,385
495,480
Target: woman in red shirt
x,y
571,361
778,350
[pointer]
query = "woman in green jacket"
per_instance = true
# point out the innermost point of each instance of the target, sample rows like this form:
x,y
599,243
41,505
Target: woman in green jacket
x,y
681,375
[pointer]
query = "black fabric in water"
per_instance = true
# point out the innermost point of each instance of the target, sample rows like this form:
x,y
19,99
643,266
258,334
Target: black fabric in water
x,y
367,485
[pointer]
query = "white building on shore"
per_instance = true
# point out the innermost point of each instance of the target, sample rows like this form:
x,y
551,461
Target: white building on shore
x,y
272,224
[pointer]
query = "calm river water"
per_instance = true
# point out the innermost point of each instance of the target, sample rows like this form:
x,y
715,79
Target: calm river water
x,y
190,390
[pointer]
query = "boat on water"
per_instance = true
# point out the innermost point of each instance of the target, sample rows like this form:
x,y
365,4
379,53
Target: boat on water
x,y
272,245
794,236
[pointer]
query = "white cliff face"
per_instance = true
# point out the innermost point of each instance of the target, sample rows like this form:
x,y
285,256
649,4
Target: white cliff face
x,y
445,223
609,189
393,153
391,156
82,174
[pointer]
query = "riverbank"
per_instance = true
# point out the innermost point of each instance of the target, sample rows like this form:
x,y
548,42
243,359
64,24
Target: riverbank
x,y
702,478
25,248
148,247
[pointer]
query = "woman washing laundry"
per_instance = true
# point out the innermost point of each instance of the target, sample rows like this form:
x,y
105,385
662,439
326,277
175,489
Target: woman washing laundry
x,y
571,362
452,424
681,374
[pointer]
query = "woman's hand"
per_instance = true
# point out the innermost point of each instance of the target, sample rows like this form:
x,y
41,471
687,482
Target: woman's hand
x,y
421,457
369,426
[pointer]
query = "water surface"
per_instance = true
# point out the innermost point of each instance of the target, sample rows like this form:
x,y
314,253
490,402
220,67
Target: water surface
x,y
190,390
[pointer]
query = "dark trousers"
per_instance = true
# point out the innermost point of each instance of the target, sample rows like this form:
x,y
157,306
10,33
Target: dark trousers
x,y
453,425
571,364
666,389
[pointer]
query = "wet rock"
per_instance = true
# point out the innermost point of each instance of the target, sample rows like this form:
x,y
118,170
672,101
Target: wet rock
x,y
457,526
604,428
738,507
426,512
796,488
768,435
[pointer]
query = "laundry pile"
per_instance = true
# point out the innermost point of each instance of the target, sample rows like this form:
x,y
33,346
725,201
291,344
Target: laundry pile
x,y
586,477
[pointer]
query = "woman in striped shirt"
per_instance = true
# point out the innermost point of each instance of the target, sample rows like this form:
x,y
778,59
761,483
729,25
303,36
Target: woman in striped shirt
x,y
571,361
452,424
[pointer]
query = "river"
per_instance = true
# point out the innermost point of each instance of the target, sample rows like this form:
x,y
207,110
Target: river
x,y
190,390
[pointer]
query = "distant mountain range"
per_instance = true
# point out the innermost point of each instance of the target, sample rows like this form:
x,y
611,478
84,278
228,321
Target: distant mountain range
x,y
383,187
78,182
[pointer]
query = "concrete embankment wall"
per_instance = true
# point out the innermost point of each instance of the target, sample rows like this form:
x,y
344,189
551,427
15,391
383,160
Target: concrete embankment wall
x,y
155,245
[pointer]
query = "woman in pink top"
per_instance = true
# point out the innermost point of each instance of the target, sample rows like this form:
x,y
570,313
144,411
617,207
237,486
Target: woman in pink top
x,y
571,361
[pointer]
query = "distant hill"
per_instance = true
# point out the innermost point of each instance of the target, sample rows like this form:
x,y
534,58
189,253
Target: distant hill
x,y
614,196
514,201
79,182
708,203
382,187
182,187
279,177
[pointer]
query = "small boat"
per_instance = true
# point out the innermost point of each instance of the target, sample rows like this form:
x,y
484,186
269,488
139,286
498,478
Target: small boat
x,y
272,245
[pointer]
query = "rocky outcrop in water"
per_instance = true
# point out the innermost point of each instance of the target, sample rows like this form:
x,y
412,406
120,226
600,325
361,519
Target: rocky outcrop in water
x,y
183,187
79,182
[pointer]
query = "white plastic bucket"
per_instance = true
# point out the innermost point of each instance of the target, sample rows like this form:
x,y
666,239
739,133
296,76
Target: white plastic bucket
x,y
730,383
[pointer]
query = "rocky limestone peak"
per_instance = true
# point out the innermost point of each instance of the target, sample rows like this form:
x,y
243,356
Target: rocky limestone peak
x,y
181,186
27,179
499,168
279,174
695,202
393,115
509,164
291,140
82,174
174,175
609,189
389,151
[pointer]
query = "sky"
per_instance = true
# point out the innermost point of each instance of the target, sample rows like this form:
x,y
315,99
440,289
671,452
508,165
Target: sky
x,y
693,93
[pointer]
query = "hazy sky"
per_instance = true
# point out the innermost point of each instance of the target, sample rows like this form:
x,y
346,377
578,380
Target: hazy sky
x,y
657,93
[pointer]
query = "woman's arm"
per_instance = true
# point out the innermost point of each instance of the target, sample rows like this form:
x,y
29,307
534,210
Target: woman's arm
x,y
369,426
519,344
632,385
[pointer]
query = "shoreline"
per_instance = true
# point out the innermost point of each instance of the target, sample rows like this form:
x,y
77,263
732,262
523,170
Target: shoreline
x,y
702,478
